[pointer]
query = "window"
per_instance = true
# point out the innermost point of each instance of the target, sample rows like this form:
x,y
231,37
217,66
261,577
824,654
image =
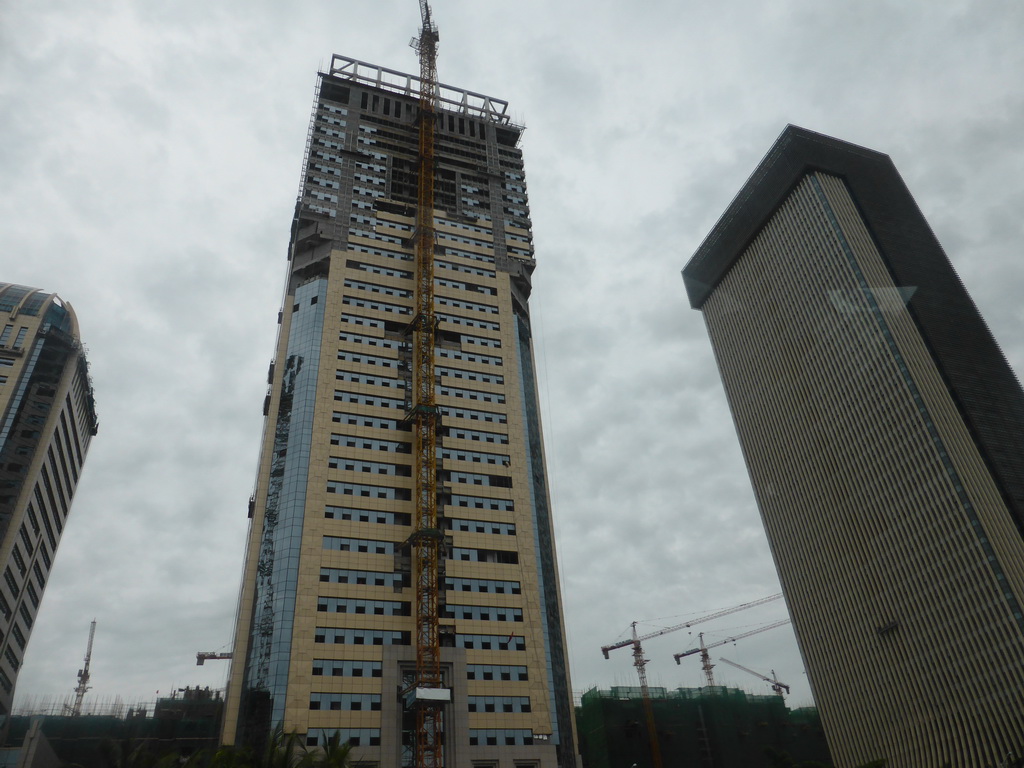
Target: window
x,y
12,583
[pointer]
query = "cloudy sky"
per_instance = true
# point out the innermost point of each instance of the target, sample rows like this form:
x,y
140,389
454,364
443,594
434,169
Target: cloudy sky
x,y
150,155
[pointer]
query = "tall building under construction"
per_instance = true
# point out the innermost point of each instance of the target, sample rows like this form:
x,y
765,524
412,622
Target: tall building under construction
x,y
330,628
882,427
47,421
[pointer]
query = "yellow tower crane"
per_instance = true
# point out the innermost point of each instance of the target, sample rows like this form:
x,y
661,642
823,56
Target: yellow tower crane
x,y
640,662
427,694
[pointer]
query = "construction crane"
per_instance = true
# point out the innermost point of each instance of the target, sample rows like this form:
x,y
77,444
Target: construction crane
x,y
83,674
640,662
703,649
427,694
204,656
773,681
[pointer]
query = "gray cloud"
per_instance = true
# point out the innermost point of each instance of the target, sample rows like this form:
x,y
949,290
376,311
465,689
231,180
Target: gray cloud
x,y
151,156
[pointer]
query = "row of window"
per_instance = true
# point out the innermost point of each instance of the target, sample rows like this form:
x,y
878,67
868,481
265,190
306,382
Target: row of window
x,y
476,457
376,467
464,286
391,579
480,526
374,381
370,737
342,636
366,516
507,737
483,613
484,586
370,546
387,254
357,737
368,607
461,373
340,668
380,306
369,491
372,444
499,703
360,420
482,502
372,341
368,578
473,478
473,415
346,668
477,435
376,288
346,702
443,452
445,301
450,251
471,394
450,265
454,354
374,400
496,672
491,642
466,321
356,357
485,555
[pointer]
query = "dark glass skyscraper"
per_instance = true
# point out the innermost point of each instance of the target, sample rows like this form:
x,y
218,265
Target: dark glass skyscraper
x,y
881,427
324,636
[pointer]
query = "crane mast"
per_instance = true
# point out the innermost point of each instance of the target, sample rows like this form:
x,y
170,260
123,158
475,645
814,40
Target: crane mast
x,y
83,674
426,694
645,692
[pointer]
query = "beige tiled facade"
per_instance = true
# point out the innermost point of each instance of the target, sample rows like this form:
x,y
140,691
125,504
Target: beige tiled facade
x,y
901,557
47,421
326,619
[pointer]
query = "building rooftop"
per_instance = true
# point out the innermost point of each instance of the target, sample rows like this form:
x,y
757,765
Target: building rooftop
x,y
460,100
796,152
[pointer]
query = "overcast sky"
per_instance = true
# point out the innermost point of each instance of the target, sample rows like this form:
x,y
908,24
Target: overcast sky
x,y
150,155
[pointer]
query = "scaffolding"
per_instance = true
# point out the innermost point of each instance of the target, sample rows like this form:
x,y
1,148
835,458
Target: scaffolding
x,y
717,727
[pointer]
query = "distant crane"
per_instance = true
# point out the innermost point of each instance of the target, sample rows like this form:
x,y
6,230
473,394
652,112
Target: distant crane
x,y
773,681
83,674
703,649
204,656
640,662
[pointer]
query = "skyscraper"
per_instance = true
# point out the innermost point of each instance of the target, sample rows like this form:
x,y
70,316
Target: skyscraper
x,y
325,633
48,421
881,428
